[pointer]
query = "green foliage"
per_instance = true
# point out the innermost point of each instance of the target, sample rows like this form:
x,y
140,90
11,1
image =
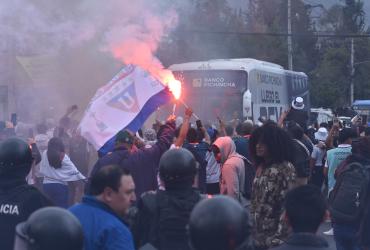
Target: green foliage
x,y
210,29
330,81
362,69
353,16
193,40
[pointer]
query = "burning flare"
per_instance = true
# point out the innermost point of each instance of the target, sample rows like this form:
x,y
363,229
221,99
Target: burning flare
x,y
173,84
175,87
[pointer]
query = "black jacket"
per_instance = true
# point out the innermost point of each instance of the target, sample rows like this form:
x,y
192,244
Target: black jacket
x,y
17,202
299,116
304,241
162,218
301,159
143,163
199,151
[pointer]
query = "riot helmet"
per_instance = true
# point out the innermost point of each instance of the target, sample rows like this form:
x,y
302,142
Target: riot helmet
x,y
177,168
49,228
15,158
219,223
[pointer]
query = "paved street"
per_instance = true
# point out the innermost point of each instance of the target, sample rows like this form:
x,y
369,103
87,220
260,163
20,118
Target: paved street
x,y
325,227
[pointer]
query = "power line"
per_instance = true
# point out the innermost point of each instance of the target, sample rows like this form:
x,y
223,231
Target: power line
x,y
277,34
358,63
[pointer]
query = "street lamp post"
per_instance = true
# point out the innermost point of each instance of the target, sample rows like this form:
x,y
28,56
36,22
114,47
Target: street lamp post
x,y
290,49
352,71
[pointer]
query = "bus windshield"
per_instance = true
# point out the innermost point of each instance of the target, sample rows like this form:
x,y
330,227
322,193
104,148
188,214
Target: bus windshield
x,y
214,93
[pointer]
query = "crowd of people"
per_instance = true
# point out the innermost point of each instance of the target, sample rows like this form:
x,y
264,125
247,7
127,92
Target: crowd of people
x,y
178,185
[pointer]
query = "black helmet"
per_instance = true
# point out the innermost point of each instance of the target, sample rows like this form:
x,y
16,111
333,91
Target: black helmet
x,y
49,228
219,223
177,168
15,156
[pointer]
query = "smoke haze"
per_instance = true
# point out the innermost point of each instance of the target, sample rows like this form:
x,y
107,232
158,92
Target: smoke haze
x,y
59,52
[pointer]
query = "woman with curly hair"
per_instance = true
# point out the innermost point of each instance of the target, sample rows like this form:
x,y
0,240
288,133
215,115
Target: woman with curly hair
x,y
271,151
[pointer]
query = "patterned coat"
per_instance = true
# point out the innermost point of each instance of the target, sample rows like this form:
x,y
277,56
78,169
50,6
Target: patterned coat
x,y
268,192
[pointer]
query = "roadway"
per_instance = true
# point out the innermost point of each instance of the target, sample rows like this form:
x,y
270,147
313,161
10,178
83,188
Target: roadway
x,y
325,227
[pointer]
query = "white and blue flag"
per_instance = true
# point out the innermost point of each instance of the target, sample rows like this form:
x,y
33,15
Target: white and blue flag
x,y
124,103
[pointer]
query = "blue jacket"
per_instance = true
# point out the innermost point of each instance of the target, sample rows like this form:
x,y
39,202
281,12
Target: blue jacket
x,y
103,229
143,163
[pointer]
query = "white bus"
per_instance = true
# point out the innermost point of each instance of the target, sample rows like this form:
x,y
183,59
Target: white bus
x,y
239,88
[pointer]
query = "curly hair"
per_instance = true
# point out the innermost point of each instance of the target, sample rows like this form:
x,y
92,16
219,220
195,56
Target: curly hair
x,y
277,141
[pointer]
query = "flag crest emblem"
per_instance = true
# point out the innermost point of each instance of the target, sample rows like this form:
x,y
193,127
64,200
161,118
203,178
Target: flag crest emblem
x,y
126,100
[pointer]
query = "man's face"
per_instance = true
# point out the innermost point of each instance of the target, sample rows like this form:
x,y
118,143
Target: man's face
x,y
121,201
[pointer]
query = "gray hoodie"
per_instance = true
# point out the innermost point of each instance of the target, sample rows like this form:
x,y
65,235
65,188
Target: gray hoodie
x,y
232,169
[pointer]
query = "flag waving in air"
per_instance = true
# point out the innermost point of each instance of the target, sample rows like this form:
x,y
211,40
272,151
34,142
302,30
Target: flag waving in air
x,y
124,103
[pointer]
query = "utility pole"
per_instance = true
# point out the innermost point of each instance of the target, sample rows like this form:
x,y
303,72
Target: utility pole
x,y
290,49
352,71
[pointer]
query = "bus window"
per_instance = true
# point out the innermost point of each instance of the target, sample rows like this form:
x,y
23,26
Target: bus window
x,y
214,93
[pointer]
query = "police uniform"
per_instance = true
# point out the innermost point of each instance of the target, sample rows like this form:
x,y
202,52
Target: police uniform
x,y
17,202
17,199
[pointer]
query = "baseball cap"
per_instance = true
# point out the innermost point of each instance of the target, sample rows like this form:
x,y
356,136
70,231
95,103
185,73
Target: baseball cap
x,y
124,136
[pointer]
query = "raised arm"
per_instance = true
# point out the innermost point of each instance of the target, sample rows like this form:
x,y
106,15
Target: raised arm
x,y
329,142
207,138
222,127
184,128
282,118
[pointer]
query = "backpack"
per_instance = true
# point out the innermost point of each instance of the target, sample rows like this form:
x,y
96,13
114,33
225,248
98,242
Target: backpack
x,y
249,174
348,198
164,224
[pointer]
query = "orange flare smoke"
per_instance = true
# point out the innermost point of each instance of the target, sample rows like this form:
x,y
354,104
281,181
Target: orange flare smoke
x,y
174,85
175,88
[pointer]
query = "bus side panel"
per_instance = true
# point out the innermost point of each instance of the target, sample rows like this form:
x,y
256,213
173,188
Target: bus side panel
x,y
213,93
269,94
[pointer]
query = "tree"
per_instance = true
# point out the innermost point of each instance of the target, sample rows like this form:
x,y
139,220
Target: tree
x,y
197,36
353,16
271,16
326,61
330,81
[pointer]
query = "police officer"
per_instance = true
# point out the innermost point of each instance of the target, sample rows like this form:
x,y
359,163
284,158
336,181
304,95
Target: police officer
x,y
162,217
17,199
49,228
220,223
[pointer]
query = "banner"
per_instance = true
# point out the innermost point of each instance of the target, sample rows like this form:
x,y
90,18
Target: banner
x,y
124,103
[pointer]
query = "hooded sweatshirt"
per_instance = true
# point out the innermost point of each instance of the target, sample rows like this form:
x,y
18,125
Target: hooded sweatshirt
x,y
232,169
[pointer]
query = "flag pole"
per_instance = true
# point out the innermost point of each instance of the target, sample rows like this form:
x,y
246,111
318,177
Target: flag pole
x,y
186,106
174,108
